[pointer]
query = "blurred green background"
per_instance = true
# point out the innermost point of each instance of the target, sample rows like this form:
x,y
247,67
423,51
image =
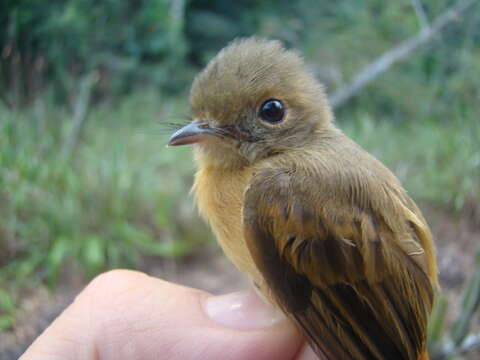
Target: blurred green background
x,y
89,88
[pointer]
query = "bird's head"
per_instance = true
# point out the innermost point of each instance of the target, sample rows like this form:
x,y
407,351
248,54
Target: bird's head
x,y
253,100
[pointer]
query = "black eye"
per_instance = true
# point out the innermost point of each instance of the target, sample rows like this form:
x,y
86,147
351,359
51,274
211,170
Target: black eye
x,y
272,111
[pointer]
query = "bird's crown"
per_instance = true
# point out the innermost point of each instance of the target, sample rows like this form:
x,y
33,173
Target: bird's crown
x,y
246,73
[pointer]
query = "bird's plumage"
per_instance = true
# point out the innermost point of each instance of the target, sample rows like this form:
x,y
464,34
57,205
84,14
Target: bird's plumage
x,y
324,229
343,250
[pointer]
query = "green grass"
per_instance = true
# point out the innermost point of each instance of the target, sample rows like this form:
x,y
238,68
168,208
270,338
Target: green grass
x,y
437,162
120,195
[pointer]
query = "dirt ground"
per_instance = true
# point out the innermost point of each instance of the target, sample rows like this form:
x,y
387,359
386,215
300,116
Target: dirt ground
x,y
457,242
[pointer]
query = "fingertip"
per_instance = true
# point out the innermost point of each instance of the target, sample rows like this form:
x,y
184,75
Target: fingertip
x,y
259,330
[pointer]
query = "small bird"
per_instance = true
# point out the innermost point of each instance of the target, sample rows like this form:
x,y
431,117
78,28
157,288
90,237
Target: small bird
x,y
325,231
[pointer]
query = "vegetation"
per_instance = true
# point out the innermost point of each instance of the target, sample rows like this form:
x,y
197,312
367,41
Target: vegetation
x,y
437,164
88,88
447,342
122,195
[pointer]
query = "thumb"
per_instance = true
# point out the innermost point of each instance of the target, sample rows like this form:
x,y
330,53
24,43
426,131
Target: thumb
x,y
129,315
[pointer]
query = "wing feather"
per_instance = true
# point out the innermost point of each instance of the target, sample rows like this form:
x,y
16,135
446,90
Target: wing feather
x,y
357,286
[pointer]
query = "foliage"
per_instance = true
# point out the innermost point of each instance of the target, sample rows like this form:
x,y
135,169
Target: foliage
x,y
61,41
439,164
123,195
140,43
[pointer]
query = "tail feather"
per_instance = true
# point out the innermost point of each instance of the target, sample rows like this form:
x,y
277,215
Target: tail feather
x,y
363,322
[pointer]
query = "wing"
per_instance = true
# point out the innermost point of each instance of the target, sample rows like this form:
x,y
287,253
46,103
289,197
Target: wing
x,y
353,277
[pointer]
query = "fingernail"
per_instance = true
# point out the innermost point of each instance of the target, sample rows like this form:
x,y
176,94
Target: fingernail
x,y
242,310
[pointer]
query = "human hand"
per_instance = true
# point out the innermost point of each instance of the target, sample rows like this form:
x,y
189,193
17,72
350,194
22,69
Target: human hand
x,y
129,315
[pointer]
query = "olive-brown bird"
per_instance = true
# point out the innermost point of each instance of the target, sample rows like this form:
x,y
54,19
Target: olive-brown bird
x,y
325,231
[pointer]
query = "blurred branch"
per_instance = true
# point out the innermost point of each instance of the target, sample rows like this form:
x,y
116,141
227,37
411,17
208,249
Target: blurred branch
x,y
398,53
419,10
177,14
80,111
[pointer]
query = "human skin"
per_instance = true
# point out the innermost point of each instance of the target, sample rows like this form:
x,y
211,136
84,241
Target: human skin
x,y
125,314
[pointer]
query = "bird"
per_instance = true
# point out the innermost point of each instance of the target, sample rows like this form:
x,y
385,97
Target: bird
x,y
324,230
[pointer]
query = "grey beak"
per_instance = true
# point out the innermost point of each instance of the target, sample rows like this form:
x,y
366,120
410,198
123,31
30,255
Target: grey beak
x,y
192,133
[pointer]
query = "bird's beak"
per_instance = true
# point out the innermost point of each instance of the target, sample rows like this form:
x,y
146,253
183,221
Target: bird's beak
x,y
193,132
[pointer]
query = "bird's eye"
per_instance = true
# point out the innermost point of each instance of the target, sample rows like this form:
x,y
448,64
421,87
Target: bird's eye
x,y
272,111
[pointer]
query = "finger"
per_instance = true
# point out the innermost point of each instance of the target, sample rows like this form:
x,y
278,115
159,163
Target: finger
x,y
306,353
129,315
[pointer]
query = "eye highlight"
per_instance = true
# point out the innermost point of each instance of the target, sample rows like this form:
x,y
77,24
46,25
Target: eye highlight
x,y
272,111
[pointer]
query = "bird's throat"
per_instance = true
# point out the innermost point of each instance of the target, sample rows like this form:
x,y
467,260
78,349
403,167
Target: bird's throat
x,y
224,158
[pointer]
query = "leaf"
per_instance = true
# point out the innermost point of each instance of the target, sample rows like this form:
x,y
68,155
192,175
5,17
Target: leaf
x,y
169,249
6,301
436,325
470,304
93,254
55,257
6,322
